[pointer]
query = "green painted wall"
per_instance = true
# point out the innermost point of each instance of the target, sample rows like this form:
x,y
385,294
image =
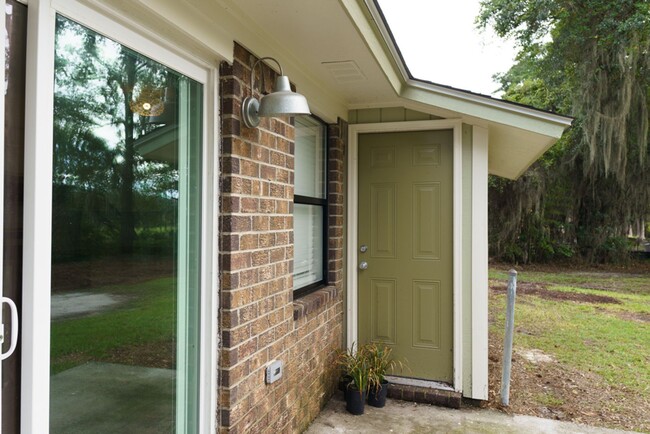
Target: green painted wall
x,y
387,114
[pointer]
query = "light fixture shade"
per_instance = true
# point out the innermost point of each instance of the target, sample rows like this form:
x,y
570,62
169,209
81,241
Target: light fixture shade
x,y
283,101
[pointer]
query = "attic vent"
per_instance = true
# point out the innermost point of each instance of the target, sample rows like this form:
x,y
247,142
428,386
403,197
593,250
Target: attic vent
x,y
345,71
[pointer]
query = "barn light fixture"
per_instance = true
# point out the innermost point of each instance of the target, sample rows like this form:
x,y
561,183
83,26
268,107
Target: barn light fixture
x,y
281,102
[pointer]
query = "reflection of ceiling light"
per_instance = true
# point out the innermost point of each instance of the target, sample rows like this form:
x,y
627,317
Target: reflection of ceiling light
x,y
149,102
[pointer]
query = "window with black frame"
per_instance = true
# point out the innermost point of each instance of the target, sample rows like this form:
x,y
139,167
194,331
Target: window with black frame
x,y
310,206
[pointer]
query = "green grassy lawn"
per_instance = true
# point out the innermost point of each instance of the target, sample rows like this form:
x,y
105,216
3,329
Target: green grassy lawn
x,y
147,317
609,339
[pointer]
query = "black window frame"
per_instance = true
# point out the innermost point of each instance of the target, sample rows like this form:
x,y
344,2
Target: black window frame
x,y
324,203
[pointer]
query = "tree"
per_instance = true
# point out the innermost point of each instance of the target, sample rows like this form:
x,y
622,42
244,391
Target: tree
x,y
591,60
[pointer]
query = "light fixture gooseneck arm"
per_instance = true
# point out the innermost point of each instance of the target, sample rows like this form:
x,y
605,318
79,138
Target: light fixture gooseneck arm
x,y
255,66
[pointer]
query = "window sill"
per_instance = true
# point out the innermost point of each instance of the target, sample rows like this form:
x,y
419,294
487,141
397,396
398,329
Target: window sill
x,y
312,302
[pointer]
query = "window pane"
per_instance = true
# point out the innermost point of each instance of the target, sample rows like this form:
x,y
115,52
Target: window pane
x,y
125,240
308,245
310,158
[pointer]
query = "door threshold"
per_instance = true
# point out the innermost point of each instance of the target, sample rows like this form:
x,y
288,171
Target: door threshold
x,y
417,382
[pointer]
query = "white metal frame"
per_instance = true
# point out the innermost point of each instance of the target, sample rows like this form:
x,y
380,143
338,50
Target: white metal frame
x,y
353,214
38,197
3,5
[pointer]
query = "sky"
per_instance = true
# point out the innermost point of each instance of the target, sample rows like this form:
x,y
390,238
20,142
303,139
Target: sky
x,y
440,43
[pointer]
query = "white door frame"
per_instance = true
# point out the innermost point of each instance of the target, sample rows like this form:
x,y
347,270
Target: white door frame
x,y
39,99
353,229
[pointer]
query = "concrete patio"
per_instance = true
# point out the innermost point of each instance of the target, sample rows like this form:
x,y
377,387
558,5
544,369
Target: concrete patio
x,y
402,417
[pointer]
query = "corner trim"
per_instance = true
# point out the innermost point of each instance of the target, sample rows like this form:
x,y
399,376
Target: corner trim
x,y
479,283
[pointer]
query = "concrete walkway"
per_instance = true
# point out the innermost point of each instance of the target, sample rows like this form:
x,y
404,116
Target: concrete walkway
x,y
401,417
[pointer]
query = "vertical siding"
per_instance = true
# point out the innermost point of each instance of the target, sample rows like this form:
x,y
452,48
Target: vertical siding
x,y
387,114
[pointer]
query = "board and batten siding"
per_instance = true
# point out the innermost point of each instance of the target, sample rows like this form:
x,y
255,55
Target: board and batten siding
x,y
387,114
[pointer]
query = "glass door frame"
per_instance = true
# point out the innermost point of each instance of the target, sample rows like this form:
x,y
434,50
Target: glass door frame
x,y
35,340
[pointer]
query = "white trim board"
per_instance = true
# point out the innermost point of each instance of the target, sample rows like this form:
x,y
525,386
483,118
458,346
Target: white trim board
x,y
479,284
37,234
353,230
35,377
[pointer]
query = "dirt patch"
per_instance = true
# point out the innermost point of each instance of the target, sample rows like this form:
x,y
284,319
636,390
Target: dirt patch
x,y
634,316
633,268
541,290
108,271
554,391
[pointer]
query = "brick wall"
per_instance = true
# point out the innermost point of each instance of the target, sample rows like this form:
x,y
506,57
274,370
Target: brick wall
x,y
260,321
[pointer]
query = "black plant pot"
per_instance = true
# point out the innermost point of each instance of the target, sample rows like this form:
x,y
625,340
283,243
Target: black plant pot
x,y
355,400
377,397
344,380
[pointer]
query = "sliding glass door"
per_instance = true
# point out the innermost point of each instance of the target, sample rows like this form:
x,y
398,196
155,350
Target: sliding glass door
x,y
126,240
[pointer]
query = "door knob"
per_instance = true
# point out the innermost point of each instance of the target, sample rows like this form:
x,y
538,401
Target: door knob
x,y
363,265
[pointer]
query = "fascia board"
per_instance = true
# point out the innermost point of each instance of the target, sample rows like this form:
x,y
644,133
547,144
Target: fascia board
x,y
367,26
515,116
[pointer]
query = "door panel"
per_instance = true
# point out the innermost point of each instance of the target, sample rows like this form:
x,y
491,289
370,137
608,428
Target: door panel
x,y
124,354
405,219
383,230
426,314
426,221
14,148
382,296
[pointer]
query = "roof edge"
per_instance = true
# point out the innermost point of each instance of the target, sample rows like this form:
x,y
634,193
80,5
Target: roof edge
x,y
487,101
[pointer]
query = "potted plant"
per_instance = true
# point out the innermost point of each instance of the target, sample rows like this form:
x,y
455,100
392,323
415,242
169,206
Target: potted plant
x,y
379,363
355,367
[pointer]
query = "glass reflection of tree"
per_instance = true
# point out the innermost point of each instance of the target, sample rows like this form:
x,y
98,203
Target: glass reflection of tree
x,y
106,98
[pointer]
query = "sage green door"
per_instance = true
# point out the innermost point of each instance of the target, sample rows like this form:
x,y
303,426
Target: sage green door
x,y
405,220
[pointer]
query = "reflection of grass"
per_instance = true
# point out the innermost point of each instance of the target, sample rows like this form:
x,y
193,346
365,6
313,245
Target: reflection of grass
x,y
149,317
599,337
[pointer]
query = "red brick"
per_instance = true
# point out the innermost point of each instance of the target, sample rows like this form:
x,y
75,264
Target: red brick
x,y
249,205
261,223
248,242
260,258
266,239
249,168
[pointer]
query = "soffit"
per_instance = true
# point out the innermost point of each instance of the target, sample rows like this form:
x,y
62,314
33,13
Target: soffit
x,y
318,35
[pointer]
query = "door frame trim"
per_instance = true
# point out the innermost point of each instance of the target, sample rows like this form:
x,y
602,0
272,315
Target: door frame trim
x,y
354,131
39,114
